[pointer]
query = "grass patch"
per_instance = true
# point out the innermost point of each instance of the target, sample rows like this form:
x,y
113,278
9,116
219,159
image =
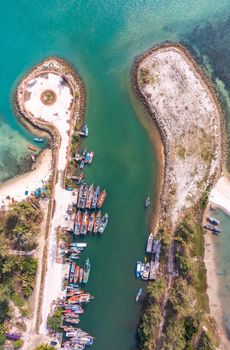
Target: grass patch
x,y
206,154
181,152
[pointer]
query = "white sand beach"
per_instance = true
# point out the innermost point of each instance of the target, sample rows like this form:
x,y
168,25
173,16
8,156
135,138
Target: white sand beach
x,y
220,194
17,187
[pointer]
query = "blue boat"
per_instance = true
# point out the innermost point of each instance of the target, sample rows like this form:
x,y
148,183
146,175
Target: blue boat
x,y
213,220
138,269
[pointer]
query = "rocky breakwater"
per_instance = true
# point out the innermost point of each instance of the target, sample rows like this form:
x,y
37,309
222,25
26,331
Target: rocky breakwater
x,y
184,107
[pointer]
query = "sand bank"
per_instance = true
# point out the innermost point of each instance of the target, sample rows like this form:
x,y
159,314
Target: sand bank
x,y
16,188
220,194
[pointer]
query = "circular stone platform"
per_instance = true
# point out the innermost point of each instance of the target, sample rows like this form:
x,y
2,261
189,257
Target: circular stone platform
x,y
48,96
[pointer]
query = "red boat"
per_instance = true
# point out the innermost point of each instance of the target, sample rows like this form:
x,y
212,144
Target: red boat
x,y
101,198
76,274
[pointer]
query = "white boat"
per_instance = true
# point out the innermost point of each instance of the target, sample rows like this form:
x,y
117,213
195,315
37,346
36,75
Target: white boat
x,y
138,269
145,275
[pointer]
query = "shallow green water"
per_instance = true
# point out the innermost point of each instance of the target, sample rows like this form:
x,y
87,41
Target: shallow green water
x,y
101,39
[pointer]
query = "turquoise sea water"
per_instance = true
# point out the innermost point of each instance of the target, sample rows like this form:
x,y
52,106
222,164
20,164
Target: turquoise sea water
x,y
101,39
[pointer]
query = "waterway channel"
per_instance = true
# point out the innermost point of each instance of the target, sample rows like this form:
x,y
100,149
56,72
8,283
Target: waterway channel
x,y
101,39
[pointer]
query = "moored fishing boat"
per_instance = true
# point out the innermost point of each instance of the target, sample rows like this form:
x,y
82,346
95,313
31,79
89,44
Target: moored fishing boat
x,y
81,275
91,155
78,223
80,299
82,196
84,152
214,229
149,244
95,197
139,294
75,292
101,199
85,131
71,272
138,269
79,245
89,197
82,164
145,275
80,178
85,223
76,194
103,224
86,271
147,202
76,274
91,222
97,222
213,220
72,320
142,268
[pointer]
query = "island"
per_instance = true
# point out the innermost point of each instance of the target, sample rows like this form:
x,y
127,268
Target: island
x,y
183,105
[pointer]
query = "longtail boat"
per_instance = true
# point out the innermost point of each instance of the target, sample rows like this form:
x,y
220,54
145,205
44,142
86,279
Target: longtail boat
x,y
103,224
95,197
86,271
85,223
76,274
71,272
97,222
91,222
89,197
78,223
101,199
81,275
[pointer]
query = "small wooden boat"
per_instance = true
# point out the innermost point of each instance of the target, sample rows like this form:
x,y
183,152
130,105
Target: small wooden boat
x,y
32,148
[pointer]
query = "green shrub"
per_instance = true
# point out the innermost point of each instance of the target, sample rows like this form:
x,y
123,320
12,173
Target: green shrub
x,y
18,344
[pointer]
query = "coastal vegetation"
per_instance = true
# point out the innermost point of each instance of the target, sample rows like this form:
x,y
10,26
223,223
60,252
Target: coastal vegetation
x,y
54,321
187,325
152,314
19,227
